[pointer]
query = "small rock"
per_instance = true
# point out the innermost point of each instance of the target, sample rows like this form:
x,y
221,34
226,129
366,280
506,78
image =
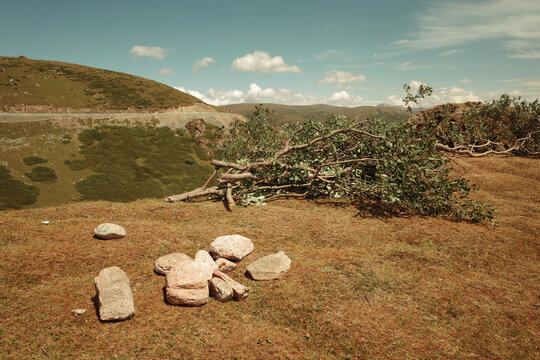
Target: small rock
x,y
225,265
109,231
164,263
269,267
232,247
240,291
220,290
189,297
202,256
79,311
114,294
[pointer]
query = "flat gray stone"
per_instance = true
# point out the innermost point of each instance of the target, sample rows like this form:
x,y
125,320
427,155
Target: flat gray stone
x,y
220,290
269,267
114,294
109,231
163,264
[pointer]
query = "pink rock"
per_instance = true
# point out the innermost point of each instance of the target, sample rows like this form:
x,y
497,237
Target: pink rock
x,y
204,257
192,275
232,247
164,263
225,265
240,291
190,297
269,267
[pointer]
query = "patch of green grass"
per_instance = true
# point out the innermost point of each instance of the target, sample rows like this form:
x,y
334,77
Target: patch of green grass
x,y
66,139
138,162
15,193
42,174
33,160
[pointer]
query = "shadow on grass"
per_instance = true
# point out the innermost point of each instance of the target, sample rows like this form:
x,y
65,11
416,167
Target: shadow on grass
x,y
368,208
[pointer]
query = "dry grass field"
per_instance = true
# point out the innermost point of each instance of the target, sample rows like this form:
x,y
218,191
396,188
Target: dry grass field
x,y
362,285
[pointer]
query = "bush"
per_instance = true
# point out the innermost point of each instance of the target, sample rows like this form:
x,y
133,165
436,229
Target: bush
x,y
14,193
42,174
33,160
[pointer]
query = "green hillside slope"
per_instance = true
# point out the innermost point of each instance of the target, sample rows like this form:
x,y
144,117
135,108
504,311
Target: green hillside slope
x,y
49,86
292,113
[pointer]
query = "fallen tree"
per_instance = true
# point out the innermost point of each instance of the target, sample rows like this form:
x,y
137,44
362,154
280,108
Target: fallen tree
x,y
339,158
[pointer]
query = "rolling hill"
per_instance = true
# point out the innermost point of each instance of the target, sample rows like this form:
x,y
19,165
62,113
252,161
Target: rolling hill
x,y
292,113
40,86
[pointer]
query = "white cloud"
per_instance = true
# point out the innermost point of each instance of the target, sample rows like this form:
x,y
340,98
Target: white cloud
x,y
450,52
400,42
439,96
204,62
256,94
149,51
532,81
446,24
260,61
465,81
341,77
166,71
525,54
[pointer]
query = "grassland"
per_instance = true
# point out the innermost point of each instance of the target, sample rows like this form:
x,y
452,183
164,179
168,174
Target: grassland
x,y
50,86
297,113
363,284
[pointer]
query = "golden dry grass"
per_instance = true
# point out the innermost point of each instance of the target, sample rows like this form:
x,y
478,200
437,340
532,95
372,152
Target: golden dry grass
x,y
360,285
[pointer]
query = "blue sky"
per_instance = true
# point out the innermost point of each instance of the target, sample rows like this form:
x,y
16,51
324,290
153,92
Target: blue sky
x,y
346,53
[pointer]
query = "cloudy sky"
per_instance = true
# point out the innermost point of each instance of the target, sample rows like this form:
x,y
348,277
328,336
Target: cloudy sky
x,y
339,52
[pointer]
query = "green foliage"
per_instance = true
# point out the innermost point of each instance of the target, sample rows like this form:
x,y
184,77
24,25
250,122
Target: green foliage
x,y
137,162
15,193
505,123
42,174
32,160
390,163
66,139
422,92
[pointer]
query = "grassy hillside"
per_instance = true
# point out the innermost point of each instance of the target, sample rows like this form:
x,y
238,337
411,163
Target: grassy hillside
x,y
51,86
291,113
362,285
97,159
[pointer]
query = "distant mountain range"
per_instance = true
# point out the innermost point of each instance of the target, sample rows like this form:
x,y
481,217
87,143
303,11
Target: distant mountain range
x,y
303,113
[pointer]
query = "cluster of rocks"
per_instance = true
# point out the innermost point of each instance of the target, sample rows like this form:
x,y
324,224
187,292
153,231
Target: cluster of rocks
x,y
189,281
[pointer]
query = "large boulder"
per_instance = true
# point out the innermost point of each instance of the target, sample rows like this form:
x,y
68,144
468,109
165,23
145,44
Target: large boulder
x,y
163,264
109,231
269,267
220,290
114,294
232,247
187,284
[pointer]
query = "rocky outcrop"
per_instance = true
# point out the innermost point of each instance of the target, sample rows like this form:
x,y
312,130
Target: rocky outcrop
x,y
269,267
163,264
231,247
114,294
109,231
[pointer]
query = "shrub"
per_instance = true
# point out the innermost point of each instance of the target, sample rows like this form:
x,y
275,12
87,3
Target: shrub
x,y
33,160
15,193
42,174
